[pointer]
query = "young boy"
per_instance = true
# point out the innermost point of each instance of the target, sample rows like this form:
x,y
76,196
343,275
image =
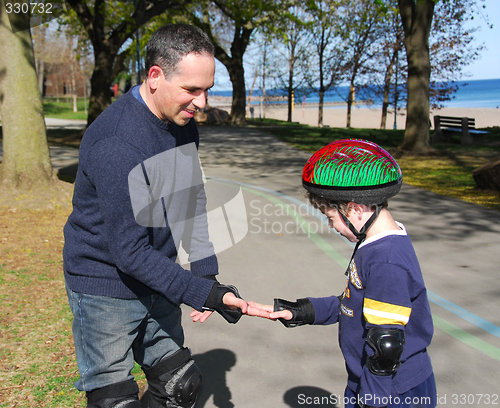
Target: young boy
x,y
384,315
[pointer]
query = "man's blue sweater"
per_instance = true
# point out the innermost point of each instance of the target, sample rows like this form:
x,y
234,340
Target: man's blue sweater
x,y
106,251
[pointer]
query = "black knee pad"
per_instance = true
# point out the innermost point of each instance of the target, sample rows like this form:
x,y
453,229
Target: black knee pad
x,y
174,382
120,395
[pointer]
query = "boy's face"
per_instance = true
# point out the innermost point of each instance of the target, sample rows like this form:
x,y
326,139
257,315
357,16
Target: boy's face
x,y
176,99
335,221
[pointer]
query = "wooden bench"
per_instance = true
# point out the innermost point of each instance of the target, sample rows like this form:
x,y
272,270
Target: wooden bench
x,y
443,125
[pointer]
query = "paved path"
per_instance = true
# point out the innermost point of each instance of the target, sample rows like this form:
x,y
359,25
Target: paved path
x,y
288,252
259,363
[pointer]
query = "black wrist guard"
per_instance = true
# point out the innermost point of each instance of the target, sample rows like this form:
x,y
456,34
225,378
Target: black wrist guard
x,y
214,302
302,311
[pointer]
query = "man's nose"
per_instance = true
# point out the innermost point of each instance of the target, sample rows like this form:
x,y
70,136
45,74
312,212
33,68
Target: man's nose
x,y
200,101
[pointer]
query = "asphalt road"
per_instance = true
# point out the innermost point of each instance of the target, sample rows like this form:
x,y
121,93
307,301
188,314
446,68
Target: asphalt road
x,y
275,247
288,252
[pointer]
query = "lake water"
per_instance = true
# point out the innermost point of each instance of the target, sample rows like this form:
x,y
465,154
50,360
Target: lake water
x,y
483,93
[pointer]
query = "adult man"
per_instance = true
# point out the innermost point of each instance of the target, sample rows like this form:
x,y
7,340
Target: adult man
x,y
137,196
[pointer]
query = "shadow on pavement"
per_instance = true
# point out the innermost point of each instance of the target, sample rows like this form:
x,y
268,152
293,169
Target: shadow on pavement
x,y
264,156
214,364
307,396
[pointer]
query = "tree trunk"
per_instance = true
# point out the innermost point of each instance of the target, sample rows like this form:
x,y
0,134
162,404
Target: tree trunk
x,y
249,103
263,97
385,104
416,16
387,88
85,109
100,83
320,106
290,92
41,77
39,50
73,86
26,159
107,41
237,77
350,100
234,66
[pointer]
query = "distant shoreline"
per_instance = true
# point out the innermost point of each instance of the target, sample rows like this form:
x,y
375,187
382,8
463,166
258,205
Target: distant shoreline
x,y
219,101
482,93
363,116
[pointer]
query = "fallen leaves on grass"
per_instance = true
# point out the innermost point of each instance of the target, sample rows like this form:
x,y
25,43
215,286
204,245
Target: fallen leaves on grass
x,y
450,175
37,358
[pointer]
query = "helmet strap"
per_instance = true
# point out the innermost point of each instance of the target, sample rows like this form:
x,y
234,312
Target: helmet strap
x,y
361,235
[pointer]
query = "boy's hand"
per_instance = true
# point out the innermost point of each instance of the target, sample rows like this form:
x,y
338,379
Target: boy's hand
x,y
302,311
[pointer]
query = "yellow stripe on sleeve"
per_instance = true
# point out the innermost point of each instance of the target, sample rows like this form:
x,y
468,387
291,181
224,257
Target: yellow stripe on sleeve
x,y
376,312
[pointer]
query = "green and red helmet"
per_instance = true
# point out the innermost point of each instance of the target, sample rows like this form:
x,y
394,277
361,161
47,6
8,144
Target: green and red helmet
x,y
353,170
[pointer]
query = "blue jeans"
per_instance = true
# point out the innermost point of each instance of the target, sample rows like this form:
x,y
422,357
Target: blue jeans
x,y
111,333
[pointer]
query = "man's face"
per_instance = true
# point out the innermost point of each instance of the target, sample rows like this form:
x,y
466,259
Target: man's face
x,y
176,99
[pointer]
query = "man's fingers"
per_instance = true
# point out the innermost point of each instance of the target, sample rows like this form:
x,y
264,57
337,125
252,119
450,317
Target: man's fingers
x,y
267,308
233,302
200,316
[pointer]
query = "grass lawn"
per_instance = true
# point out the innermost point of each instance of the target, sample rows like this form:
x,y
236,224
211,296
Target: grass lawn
x,y
37,359
63,109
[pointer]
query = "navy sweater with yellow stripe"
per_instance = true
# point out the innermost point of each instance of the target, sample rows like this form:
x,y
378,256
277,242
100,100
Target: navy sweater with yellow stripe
x,y
385,288
106,251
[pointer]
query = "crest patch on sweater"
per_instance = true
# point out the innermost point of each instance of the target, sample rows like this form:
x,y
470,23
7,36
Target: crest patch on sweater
x,y
346,311
353,275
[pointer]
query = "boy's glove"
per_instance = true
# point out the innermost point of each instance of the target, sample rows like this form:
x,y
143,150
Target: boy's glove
x,y
214,302
302,311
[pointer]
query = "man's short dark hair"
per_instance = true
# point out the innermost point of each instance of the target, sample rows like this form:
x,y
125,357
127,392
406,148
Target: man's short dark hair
x,y
170,43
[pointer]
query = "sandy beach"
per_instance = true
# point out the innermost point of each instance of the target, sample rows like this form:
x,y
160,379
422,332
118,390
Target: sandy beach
x,y
371,117
364,117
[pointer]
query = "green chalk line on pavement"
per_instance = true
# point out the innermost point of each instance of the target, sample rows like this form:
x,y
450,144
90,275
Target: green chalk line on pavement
x,y
304,225
439,322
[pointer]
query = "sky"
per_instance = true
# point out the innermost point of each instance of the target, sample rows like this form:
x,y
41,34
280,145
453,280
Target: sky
x,y
486,67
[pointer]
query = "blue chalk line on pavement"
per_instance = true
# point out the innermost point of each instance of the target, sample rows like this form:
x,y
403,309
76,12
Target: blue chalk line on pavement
x,y
464,314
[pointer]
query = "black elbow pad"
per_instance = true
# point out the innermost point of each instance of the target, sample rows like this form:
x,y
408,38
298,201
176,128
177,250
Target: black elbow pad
x,y
388,347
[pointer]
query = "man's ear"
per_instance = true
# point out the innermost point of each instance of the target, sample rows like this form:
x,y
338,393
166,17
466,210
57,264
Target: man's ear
x,y
155,74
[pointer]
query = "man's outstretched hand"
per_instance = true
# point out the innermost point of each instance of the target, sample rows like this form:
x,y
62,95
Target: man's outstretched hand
x,y
229,299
